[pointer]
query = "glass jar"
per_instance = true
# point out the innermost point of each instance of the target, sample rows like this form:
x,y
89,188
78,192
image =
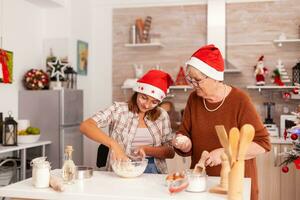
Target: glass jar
x,y
40,172
69,167
197,181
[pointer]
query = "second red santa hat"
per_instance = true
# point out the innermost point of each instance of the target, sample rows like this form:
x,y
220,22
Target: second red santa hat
x,y
154,83
209,61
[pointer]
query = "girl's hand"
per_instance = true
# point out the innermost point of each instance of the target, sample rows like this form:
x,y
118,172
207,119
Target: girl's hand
x,y
214,157
118,153
182,143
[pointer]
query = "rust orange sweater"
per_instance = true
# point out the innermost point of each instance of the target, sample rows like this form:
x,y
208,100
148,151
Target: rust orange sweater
x,y
199,125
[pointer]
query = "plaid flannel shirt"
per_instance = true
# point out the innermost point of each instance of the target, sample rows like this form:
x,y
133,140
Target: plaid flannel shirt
x,y
123,125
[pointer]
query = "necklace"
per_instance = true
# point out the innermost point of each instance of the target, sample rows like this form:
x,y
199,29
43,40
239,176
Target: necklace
x,y
212,110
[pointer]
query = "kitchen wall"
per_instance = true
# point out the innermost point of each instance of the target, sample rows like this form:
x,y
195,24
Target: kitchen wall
x,y
251,29
20,22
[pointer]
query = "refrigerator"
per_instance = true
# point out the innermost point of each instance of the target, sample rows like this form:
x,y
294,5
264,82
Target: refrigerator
x,y
58,114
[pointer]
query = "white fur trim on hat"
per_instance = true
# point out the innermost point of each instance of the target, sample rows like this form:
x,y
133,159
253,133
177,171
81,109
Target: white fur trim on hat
x,y
206,69
150,90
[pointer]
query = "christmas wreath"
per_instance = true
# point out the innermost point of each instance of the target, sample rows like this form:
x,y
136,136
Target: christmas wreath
x,y
36,79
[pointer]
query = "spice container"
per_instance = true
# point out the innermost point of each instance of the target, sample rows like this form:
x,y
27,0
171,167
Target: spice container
x,y
197,181
40,172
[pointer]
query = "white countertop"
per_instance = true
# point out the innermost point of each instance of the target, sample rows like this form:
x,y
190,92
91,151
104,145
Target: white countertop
x,y
5,149
107,185
277,140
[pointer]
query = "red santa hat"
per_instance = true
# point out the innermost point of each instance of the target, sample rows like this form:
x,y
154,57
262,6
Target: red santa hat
x,y
209,61
154,83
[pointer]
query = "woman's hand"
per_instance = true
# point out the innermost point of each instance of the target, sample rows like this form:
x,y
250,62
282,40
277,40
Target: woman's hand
x,y
118,153
182,143
214,157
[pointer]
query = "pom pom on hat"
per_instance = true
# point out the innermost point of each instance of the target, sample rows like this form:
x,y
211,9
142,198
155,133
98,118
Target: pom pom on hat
x,y
154,83
209,61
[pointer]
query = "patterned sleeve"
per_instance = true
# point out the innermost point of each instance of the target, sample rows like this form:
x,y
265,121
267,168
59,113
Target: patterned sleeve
x,y
167,134
105,117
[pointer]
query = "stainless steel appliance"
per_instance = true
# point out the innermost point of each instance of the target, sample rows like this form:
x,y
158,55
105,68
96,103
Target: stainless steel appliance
x,y
58,113
269,123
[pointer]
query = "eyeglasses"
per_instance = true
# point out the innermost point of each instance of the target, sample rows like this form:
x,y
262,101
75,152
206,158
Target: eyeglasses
x,y
194,82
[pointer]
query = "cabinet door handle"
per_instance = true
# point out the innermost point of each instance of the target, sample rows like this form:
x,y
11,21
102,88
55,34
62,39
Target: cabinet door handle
x,y
275,153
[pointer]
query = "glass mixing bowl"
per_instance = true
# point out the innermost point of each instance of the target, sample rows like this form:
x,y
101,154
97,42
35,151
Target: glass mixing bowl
x,y
129,169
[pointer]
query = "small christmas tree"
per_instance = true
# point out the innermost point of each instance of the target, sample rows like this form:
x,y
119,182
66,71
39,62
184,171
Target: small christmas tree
x,y
294,154
280,75
180,79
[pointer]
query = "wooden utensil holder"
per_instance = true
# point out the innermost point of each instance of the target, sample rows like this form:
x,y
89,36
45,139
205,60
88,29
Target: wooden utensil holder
x,y
235,181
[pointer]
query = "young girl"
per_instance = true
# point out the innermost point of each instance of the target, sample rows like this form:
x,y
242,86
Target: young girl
x,y
138,124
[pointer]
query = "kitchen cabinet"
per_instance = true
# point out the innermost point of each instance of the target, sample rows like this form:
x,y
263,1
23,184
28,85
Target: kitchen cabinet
x,y
273,183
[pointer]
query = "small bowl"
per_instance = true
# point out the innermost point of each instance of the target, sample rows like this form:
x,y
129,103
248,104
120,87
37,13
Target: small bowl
x,y
129,169
25,139
83,172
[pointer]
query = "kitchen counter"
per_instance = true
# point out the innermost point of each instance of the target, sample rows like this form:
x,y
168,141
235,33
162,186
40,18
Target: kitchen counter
x,y
108,186
277,140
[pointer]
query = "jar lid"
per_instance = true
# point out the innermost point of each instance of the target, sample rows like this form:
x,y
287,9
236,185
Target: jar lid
x,y
40,162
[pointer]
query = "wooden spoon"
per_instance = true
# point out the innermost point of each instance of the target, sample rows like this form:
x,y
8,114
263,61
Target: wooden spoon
x,y
223,138
234,136
246,137
200,166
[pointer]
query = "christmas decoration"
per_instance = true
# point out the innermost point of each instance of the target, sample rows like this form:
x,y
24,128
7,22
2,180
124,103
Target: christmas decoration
x,y
285,169
57,69
260,71
296,73
6,66
283,73
180,78
294,136
295,90
293,156
36,79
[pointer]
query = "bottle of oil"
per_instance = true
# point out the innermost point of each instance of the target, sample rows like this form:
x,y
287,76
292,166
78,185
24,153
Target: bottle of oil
x,y
69,168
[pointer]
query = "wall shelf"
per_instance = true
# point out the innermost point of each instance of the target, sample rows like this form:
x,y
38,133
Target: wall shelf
x,y
270,87
173,87
181,87
156,44
286,41
48,3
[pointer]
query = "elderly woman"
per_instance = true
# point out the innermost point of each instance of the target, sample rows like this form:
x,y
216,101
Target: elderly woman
x,y
215,103
140,124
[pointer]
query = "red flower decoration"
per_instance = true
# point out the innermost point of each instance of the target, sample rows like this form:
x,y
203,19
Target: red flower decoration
x,y
297,163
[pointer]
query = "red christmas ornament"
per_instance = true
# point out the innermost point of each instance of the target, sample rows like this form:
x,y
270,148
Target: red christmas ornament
x,y
294,136
285,169
295,90
286,95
